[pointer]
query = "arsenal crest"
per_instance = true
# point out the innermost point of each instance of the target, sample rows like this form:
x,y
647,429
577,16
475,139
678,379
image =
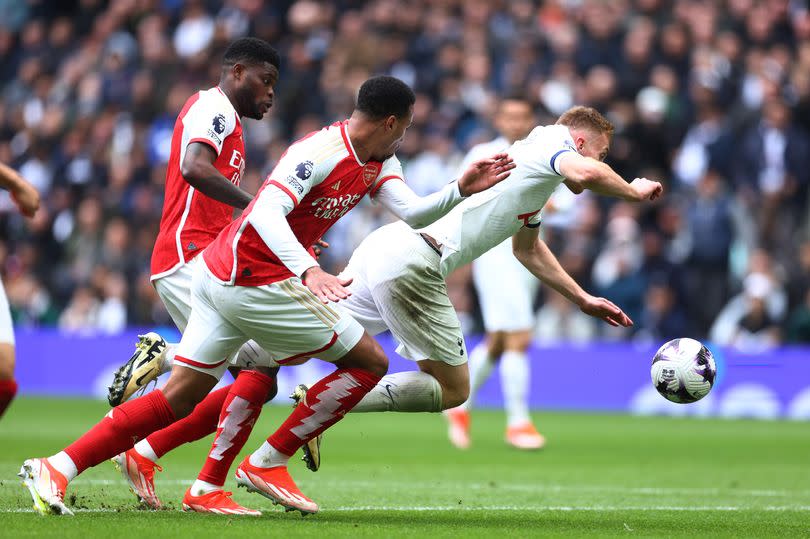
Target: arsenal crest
x,y
370,174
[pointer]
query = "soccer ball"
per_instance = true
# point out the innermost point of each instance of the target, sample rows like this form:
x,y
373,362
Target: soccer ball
x,y
683,370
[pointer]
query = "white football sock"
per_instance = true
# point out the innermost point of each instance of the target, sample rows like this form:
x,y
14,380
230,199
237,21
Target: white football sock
x,y
64,465
413,391
481,365
145,450
201,487
515,386
268,456
252,355
167,361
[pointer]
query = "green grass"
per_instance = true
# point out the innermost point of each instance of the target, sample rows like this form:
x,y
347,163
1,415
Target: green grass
x,y
390,475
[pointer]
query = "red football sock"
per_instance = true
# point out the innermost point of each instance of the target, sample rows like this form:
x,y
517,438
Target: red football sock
x,y
8,388
326,404
239,414
120,429
198,424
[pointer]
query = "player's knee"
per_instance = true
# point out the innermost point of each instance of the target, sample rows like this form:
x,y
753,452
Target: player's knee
x,y
455,395
379,362
186,389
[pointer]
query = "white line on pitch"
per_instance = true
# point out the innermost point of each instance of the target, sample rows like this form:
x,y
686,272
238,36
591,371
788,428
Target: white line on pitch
x,y
535,509
712,491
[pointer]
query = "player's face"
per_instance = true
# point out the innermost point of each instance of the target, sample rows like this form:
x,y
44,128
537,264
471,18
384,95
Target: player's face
x,y
393,131
594,145
515,119
254,92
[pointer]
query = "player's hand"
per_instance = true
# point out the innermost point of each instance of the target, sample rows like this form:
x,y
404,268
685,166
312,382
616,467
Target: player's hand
x,y
646,189
606,310
485,173
26,197
318,248
325,285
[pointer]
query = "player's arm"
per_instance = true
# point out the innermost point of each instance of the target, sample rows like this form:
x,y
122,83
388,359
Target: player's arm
x,y
24,195
199,171
535,255
588,173
419,212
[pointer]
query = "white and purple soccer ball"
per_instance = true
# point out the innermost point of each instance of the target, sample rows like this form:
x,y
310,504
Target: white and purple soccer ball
x,y
683,370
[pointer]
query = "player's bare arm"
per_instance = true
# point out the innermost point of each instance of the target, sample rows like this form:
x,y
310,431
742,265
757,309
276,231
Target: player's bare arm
x,y
199,171
535,255
583,172
485,173
24,195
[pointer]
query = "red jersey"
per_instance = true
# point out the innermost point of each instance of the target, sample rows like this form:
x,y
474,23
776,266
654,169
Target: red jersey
x,y
324,178
191,220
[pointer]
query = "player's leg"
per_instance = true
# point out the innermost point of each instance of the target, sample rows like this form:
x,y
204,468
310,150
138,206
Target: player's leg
x,y
8,386
207,338
515,380
482,362
286,318
238,415
410,298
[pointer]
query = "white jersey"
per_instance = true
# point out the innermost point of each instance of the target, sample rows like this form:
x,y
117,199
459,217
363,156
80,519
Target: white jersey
x,y
486,219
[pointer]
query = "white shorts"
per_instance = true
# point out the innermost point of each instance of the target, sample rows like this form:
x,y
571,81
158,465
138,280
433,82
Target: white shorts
x,y
505,288
397,286
6,327
284,318
174,291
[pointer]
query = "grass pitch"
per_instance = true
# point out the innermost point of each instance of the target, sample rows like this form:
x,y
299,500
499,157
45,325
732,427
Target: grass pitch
x,y
388,475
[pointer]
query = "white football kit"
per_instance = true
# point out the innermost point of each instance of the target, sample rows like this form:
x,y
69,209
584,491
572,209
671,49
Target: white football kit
x,y
505,288
6,327
399,276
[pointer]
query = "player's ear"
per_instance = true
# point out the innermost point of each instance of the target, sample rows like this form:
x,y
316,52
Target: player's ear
x,y
237,70
390,122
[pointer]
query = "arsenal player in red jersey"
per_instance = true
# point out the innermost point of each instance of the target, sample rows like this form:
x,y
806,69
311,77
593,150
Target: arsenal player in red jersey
x,y
258,281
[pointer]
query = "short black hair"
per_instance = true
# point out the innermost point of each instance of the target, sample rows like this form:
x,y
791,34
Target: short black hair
x,y
384,96
251,50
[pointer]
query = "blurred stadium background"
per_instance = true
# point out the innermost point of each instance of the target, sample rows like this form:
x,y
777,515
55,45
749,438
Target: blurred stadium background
x,y
711,97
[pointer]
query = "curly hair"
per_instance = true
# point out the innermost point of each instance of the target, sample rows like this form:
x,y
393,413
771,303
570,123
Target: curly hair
x,y
384,96
251,50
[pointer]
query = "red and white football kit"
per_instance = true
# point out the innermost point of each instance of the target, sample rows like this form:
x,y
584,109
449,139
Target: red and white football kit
x,y
191,220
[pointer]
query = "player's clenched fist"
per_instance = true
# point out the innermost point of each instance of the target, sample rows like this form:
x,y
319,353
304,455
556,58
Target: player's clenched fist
x,y
325,285
647,189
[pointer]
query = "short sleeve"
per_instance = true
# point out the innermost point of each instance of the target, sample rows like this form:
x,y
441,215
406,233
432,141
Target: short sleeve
x,y
391,170
542,152
296,174
210,121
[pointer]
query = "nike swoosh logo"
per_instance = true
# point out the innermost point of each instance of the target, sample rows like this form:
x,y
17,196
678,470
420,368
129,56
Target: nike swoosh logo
x,y
139,381
388,390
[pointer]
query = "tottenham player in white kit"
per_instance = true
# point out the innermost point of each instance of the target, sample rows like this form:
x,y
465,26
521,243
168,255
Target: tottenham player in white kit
x,y
26,198
506,291
399,273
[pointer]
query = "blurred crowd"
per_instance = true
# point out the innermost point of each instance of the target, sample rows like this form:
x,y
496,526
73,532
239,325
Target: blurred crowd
x,y
710,97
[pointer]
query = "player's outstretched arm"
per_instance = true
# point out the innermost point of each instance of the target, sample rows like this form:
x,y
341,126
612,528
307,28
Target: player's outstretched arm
x,y
419,212
535,255
24,195
588,173
199,171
